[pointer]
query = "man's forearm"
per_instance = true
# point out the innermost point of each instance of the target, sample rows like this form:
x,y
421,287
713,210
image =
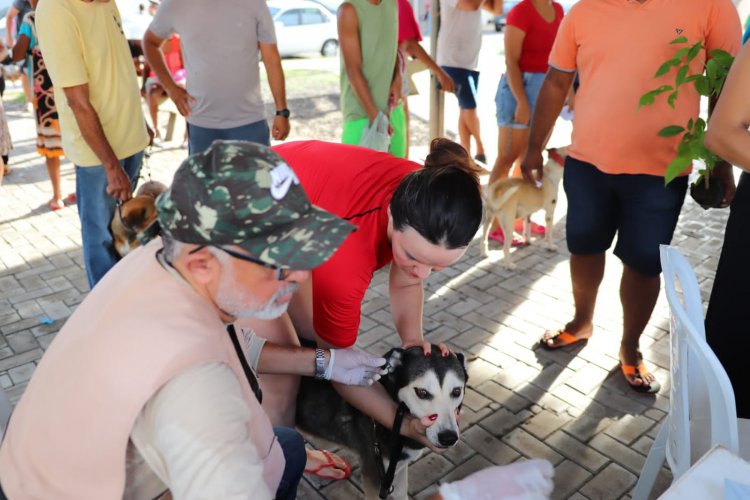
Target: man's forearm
x,y
155,59
362,91
288,360
276,80
93,133
548,106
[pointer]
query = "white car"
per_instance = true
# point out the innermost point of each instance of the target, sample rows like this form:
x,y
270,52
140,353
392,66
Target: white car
x,y
304,26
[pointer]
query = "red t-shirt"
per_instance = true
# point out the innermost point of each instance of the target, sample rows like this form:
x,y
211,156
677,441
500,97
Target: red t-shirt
x,y
356,184
540,35
407,23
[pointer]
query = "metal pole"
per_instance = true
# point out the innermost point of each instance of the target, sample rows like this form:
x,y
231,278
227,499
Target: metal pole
x,y
437,117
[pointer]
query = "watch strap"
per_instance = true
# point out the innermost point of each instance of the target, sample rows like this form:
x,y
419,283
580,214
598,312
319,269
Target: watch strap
x,y
320,363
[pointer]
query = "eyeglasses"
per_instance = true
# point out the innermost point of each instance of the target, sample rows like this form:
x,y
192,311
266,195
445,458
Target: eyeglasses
x,y
282,274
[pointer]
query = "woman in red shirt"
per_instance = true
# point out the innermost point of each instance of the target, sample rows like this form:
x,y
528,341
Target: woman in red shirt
x,y
531,27
417,219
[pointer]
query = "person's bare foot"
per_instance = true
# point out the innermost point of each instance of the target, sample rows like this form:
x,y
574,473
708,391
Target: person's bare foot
x,y
326,465
642,376
570,334
56,204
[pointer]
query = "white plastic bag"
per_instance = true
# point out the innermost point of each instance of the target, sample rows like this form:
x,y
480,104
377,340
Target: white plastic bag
x,y
376,134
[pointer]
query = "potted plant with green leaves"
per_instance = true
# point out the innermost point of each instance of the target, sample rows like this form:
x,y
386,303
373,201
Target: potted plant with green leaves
x,y
707,190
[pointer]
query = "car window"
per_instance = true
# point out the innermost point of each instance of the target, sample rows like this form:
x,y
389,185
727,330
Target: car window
x,y
290,18
274,11
312,16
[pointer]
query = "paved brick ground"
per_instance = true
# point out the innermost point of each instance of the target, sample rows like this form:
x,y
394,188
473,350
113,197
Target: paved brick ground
x,y
570,406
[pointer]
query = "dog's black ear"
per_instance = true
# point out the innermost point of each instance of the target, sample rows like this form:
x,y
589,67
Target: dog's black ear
x,y
462,359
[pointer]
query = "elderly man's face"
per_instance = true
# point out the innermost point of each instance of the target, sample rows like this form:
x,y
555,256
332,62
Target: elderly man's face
x,y
248,290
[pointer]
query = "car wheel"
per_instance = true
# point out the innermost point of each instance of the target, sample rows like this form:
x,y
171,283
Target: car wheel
x,y
330,48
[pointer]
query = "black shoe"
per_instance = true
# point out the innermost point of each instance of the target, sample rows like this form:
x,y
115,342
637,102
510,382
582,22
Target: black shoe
x,y
481,158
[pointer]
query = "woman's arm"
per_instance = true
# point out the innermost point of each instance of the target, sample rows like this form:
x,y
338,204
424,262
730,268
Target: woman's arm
x,y
513,46
727,134
407,303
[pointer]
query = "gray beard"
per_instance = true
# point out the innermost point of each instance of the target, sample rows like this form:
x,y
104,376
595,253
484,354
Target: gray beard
x,y
240,308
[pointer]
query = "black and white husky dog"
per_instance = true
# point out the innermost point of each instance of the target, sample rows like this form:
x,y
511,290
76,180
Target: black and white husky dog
x,y
430,386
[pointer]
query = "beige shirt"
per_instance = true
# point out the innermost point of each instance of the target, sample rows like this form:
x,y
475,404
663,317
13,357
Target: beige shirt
x,y
191,438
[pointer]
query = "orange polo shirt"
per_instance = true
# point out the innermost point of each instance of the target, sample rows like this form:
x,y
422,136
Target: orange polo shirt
x,y
616,46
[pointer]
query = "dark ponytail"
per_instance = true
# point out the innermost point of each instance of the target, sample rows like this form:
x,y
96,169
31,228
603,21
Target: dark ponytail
x,y
442,201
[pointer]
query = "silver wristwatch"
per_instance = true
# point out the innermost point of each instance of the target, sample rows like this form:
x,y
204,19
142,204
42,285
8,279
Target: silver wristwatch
x,y
320,363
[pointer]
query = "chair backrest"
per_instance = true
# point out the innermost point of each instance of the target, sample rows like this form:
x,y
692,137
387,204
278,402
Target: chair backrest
x,y
702,410
5,409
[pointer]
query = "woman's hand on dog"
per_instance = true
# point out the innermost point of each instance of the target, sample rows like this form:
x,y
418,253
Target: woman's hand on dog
x,y
427,347
416,429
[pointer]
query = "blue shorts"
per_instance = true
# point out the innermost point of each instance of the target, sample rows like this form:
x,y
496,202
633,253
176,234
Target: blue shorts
x,y
200,138
638,207
467,83
505,103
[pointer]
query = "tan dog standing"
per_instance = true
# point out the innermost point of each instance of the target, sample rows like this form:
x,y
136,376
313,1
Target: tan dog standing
x,y
509,198
134,216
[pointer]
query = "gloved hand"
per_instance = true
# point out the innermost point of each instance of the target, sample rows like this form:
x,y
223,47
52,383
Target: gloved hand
x,y
530,480
353,367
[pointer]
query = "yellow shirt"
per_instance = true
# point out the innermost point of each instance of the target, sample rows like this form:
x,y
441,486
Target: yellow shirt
x,y
83,43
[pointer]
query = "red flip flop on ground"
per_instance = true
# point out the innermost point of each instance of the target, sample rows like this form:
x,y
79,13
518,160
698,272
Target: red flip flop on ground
x,y
535,228
632,370
330,464
560,338
498,236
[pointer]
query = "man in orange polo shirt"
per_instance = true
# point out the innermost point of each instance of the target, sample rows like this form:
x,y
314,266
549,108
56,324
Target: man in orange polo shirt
x,y
614,173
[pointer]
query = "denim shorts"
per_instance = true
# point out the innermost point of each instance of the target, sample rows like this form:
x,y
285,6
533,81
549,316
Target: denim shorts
x,y
505,103
467,83
200,138
638,207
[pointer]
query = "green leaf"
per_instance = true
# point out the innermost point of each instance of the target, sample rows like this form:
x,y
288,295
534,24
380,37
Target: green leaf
x,y
690,124
646,99
681,74
675,168
700,125
692,78
671,99
664,68
721,56
681,39
712,69
702,85
671,131
694,51
681,53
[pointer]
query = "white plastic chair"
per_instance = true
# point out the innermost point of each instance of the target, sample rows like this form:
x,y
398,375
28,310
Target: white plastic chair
x,y
702,410
5,409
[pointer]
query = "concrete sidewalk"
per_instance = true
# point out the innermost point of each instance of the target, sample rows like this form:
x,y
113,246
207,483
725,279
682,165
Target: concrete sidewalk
x,y
570,406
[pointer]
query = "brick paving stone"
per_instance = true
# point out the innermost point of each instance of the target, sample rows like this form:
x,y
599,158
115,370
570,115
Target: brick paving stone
x,y
611,483
22,341
21,374
569,476
544,423
461,452
490,447
629,428
427,471
474,464
588,378
502,421
531,447
574,450
622,454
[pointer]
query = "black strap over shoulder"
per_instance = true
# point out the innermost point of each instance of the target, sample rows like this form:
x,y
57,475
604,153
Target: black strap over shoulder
x,y
251,378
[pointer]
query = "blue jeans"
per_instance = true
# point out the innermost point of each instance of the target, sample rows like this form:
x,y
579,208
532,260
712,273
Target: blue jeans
x,y
95,209
295,456
200,138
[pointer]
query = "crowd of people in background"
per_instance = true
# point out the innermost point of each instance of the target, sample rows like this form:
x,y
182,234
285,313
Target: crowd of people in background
x,y
248,230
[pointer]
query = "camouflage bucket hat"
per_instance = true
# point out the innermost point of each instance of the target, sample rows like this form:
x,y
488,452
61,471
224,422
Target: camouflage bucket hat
x,y
244,194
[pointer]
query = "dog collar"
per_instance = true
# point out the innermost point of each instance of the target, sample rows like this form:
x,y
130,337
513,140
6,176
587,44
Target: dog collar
x,y
553,154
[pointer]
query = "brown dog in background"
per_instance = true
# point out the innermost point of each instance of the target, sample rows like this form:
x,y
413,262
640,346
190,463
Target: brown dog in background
x,y
508,198
134,216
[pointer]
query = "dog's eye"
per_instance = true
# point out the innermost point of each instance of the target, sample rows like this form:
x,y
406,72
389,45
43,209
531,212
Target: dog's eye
x,y
422,394
456,392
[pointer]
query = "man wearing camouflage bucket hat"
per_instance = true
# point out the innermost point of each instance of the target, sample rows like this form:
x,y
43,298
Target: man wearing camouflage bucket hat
x,y
147,388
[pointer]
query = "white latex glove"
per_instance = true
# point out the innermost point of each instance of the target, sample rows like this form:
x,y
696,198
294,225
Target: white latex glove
x,y
353,367
530,480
